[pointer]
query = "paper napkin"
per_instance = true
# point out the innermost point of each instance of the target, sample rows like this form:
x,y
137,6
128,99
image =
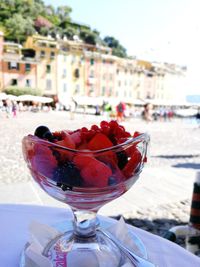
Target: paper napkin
x,y
42,234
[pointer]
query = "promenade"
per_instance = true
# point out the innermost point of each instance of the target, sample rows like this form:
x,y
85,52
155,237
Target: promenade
x,y
163,191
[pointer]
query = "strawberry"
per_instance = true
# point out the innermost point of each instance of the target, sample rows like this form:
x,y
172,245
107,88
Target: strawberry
x,y
132,164
43,161
99,141
82,160
96,174
76,137
67,141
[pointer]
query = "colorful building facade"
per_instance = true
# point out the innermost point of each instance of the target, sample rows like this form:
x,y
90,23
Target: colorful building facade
x,y
46,52
18,70
64,69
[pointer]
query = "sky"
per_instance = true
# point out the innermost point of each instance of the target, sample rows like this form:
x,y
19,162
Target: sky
x,y
157,30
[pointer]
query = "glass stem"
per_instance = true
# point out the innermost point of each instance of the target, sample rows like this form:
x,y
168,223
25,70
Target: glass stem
x,y
85,223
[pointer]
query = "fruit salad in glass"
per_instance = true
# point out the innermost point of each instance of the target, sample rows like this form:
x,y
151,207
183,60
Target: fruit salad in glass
x,y
85,168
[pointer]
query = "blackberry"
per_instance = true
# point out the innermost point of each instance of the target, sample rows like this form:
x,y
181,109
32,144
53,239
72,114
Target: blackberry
x,y
67,176
44,133
122,159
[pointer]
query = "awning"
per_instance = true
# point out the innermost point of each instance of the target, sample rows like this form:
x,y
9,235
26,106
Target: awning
x,y
40,99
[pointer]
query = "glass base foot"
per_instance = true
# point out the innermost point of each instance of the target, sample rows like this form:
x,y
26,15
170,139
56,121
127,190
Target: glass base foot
x,y
71,251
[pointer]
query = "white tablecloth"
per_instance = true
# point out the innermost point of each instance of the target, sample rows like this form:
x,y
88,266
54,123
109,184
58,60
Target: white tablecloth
x,y
15,219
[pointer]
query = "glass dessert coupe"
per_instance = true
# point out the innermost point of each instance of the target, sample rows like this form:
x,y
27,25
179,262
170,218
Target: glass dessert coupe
x,y
85,179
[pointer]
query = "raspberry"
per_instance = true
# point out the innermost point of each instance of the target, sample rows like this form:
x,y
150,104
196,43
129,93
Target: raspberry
x,y
113,124
136,134
105,129
95,128
104,124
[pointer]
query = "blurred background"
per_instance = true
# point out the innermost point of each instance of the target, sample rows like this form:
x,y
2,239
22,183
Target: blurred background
x,y
89,54
72,63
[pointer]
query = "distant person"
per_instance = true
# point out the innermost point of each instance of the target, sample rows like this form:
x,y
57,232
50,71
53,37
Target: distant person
x,y
198,117
72,108
14,109
146,114
97,110
120,108
8,107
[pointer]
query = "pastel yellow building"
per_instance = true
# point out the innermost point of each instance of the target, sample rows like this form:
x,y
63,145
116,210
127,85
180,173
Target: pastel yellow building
x,y
46,49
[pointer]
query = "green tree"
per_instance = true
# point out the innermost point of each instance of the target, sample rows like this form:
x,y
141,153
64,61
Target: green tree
x,y
14,90
18,27
117,48
63,12
88,36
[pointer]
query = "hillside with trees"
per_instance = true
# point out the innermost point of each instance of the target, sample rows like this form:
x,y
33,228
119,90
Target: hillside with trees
x,y
20,18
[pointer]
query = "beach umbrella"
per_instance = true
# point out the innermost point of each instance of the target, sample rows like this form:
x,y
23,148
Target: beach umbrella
x,y
25,98
3,96
43,99
40,99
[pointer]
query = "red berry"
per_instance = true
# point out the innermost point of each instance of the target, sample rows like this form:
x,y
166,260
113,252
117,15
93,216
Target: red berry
x,y
105,129
84,129
94,128
136,134
104,123
113,124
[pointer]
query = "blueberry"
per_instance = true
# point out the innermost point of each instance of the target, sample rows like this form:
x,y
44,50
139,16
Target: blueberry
x,y
44,133
67,176
112,181
122,159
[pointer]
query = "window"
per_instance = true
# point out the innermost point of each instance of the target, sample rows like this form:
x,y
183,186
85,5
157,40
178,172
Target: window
x,y
77,88
91,74
52,55
28,83
48,84
64,72
92,61
77,73
27,67
119,83
13,66
64,87
42,54
14,82
48,68
103,90
73,59
111,76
